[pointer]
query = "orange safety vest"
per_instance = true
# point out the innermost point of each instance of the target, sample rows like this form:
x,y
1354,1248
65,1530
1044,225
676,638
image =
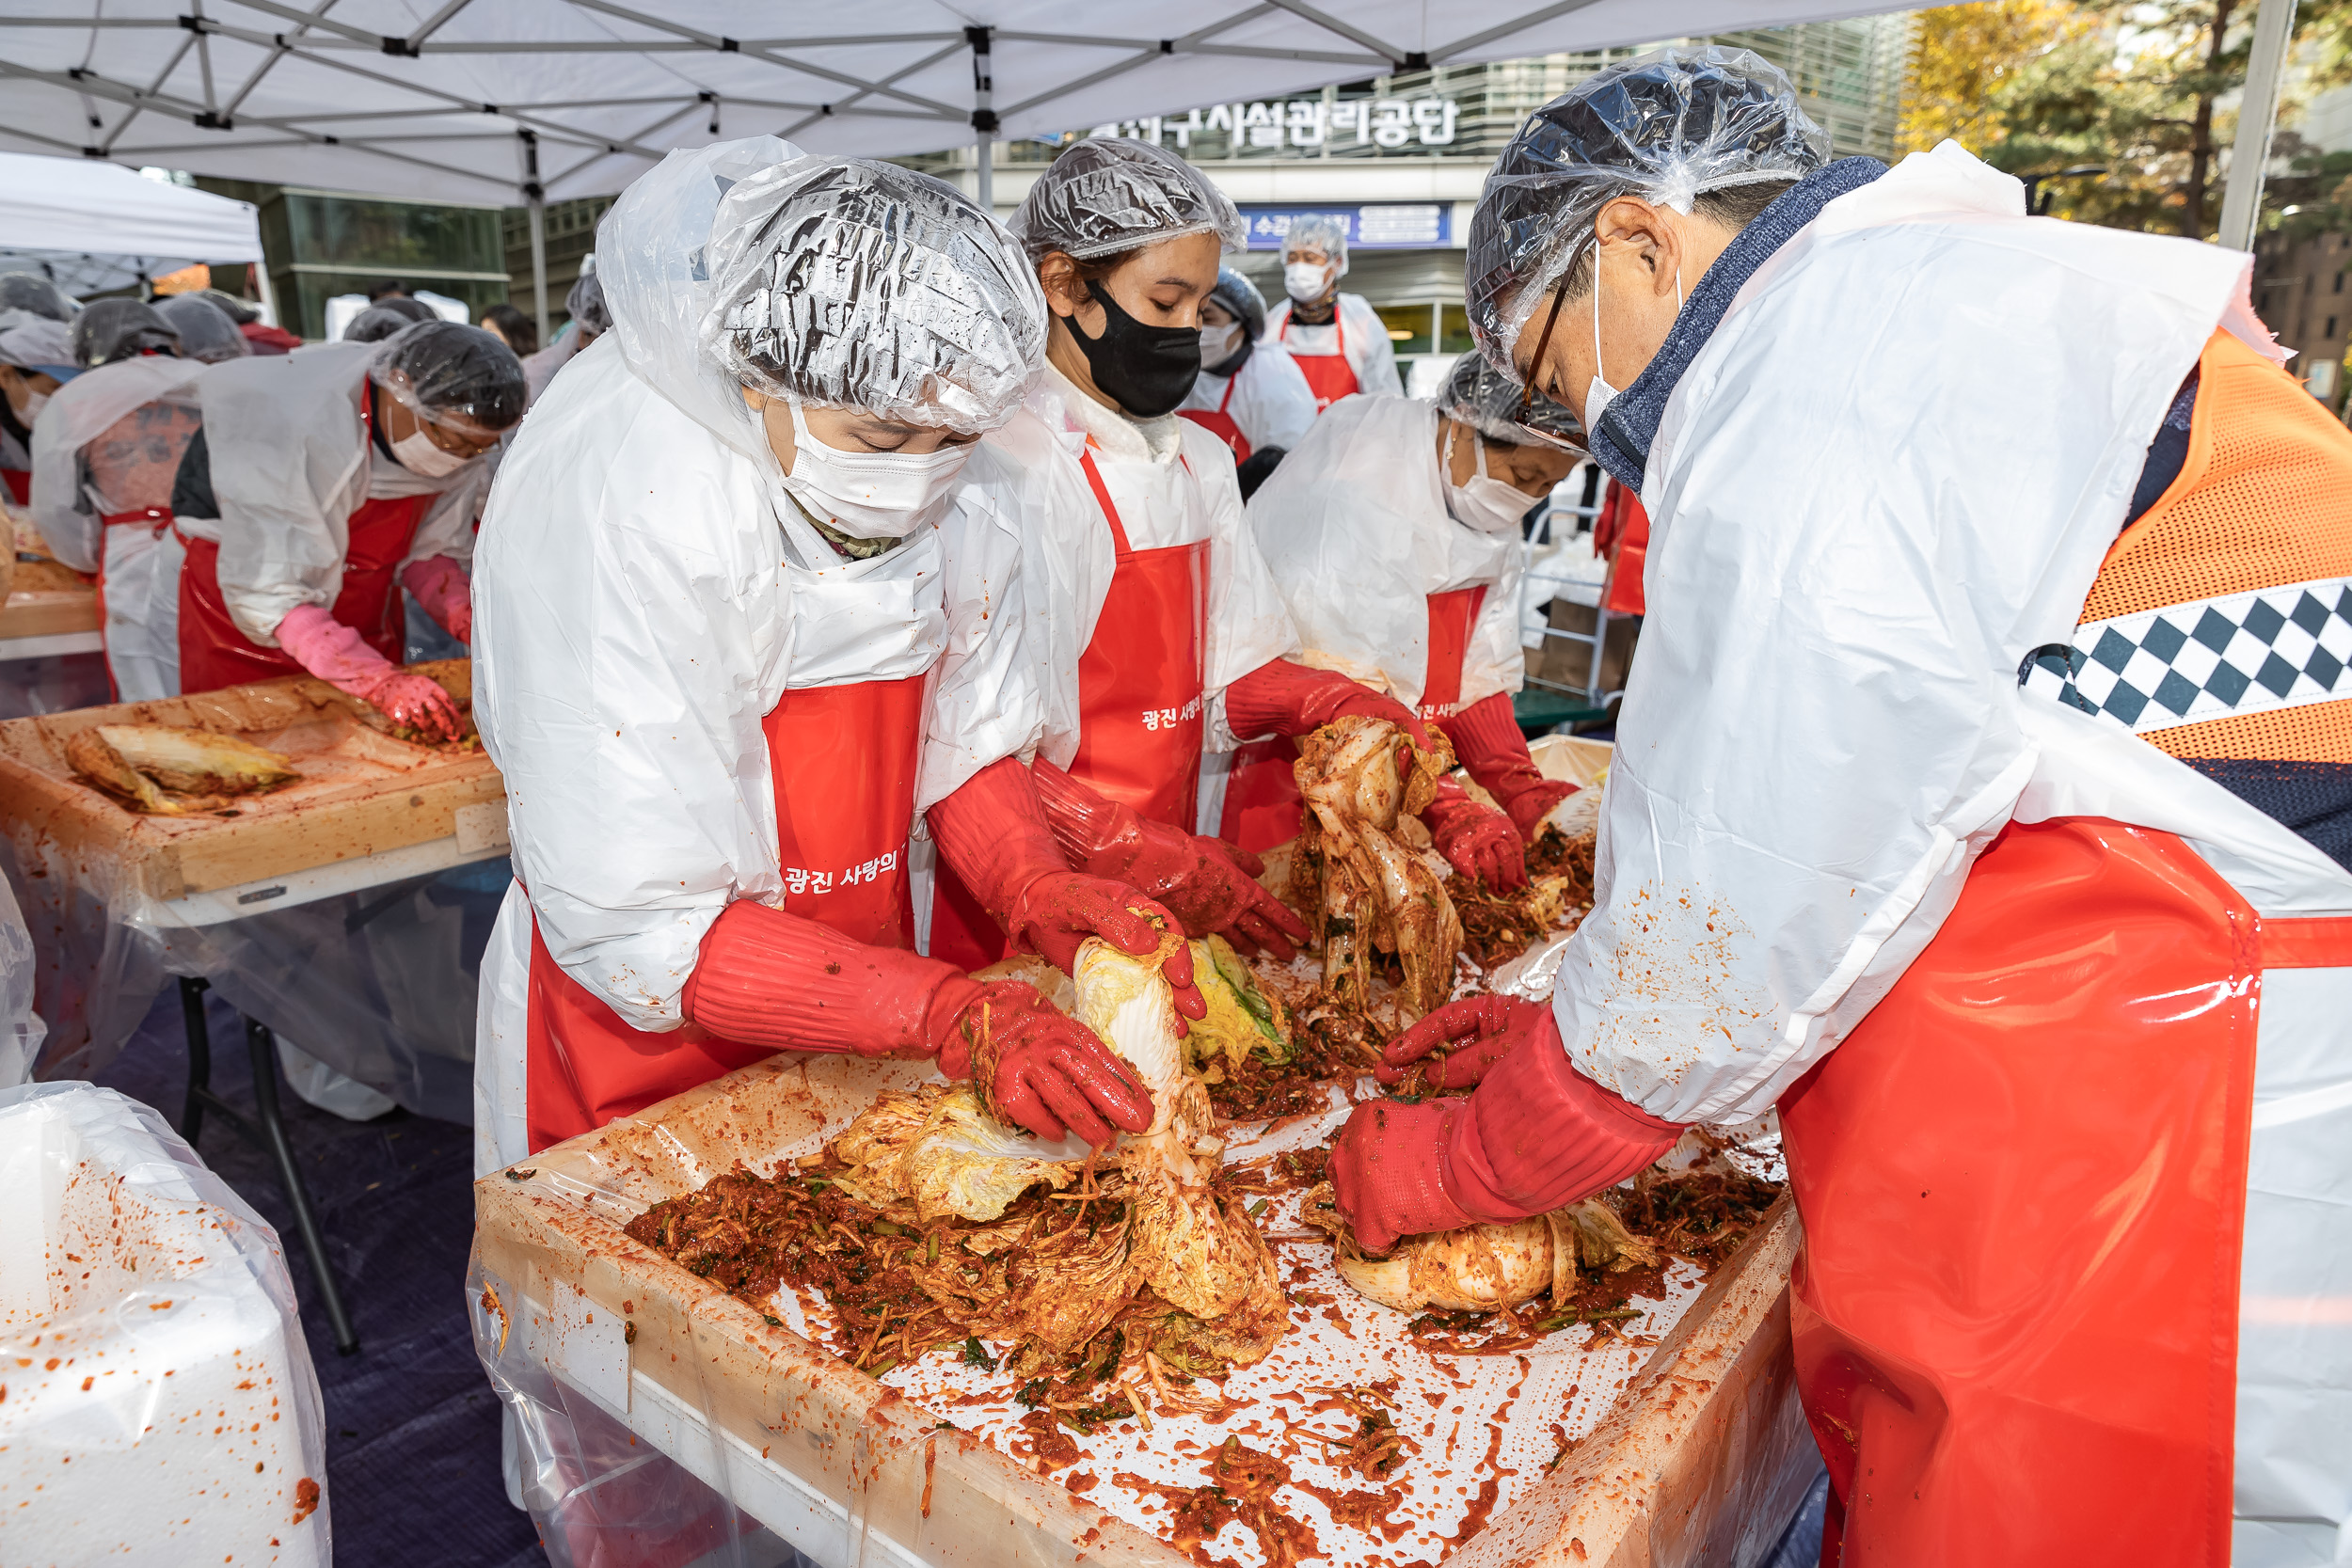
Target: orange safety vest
x,y
2023,1176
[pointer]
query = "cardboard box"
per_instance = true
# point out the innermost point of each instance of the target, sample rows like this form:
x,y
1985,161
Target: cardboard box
x,y
1567,664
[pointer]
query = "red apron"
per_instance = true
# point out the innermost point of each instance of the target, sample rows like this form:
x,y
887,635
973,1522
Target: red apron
x,y
1262,798
841,760
1139,710
2023,1182
1218,422
1329,375
214,653
20,483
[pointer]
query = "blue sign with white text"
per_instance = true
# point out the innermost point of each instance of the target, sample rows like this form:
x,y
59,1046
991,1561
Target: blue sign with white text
x,y
1381,226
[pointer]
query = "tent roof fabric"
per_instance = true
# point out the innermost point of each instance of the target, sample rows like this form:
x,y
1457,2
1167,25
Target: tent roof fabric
x,y
449,98
99,226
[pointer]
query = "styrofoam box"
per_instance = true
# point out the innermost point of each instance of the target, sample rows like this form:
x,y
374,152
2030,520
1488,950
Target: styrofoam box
x,y
157,1401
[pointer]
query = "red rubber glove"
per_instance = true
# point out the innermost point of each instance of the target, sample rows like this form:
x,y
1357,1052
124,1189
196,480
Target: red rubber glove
x,y
1477,1032
341,656
1478,841
440,586
1534,1135
768,978
1280,697
1204,881
993,832
1488,741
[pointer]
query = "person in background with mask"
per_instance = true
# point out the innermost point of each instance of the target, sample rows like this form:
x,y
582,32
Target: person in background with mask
x,y
1163,636
323,480
207,332
590,321
1249,395
385,316
105,456
510,326
1989,820
36,358
747,610
1393,532
1339,340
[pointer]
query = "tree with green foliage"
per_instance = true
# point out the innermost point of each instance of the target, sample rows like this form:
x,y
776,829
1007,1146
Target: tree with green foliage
x,y
2130,89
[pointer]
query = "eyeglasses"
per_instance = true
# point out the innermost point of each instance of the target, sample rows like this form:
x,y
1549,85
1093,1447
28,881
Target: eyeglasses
x,y
1543,341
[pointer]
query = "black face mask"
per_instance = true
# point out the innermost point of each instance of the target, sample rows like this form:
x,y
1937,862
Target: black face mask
x,y
1145,370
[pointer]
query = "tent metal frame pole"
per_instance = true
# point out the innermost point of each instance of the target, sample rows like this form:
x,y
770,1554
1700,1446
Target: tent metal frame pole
x,y
2257,119
983,115
537,195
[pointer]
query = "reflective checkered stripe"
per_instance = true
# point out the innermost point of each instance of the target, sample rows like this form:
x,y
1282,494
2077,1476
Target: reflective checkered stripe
x,y
2208,659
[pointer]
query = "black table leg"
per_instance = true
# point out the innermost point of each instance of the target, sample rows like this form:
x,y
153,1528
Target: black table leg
x,y
264,1053
200,1057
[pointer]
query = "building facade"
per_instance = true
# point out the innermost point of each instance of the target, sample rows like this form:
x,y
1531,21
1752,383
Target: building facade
x,y
1402,158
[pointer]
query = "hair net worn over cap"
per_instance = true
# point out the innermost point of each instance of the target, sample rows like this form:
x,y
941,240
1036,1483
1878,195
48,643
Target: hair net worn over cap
x,y
862,285
585,303
118,329
1326,232
1489,402
239,311
1108,194
34,294
1241,296
459,377
206,332
376,323
41,345
1668,127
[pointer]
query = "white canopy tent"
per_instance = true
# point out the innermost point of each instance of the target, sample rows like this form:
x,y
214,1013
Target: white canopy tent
x,y
523,100
100,225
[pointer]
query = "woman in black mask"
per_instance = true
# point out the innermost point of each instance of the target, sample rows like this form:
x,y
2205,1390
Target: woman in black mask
x,y
1161,635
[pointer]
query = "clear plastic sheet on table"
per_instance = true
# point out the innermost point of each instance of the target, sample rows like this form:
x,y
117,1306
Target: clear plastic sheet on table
x,y
160,1406
379,984
662,1421
53,683
21,1028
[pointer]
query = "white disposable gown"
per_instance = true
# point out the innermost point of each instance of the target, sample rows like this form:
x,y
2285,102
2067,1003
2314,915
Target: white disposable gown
x,y
1355,529
291,460
646,595
141,563
1825,726
1369,352
1267,399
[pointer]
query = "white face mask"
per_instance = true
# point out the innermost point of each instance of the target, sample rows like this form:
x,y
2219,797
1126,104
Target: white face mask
x,y
1482,503
871,495
416,452
1305,281
1599,394
34,404
1217,344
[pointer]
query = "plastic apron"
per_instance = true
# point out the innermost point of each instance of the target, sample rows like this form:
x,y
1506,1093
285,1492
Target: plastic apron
x,y
1219,423
157,520
1262,798
1329,375
1140,711
842,762
2054,1292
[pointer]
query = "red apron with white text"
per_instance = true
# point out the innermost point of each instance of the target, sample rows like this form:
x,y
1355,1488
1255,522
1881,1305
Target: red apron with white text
x,y
1262,798
2022,1182
1219,423
842,761
214,653
1139,710
1329,375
